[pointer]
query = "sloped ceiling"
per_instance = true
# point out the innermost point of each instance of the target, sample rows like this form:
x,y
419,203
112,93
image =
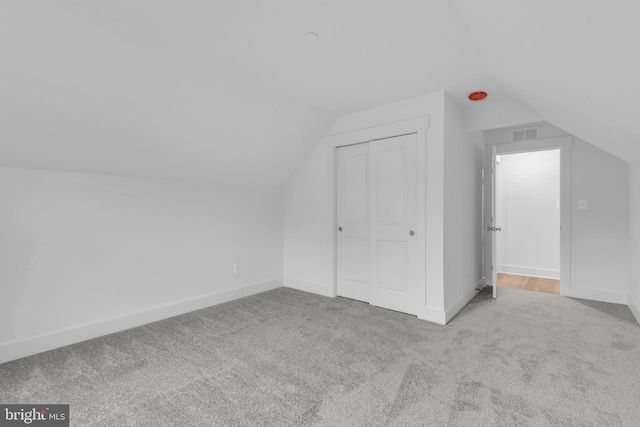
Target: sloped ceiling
x,y
86,90
575,62
231,89
369,52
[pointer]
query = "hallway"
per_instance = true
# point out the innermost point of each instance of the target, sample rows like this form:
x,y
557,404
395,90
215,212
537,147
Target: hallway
x,y
536,284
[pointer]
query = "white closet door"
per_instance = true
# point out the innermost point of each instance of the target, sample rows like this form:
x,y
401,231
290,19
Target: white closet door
x,y
353,222
392,216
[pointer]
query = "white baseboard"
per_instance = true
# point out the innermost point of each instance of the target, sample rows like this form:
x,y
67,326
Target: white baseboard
x,y
595,295
443,317
38,344
530,271
462,302
635,309
433,316
314,288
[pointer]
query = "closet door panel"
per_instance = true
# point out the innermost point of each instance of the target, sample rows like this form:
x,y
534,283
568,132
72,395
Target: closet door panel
x,y
392,215
353,262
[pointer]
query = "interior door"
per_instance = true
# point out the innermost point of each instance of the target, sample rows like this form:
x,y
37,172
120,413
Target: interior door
x,y
392,213
493,229
353,221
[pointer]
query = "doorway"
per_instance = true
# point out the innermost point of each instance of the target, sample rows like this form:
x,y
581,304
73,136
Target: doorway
x,y
494,243
528,211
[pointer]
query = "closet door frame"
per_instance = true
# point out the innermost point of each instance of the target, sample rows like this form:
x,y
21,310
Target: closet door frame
x,y
418,126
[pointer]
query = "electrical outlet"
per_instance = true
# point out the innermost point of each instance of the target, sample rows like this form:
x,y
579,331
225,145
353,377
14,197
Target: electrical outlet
x,y
236,268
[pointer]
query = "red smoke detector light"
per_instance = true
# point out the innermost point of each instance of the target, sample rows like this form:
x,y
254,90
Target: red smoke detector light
x,y
477,96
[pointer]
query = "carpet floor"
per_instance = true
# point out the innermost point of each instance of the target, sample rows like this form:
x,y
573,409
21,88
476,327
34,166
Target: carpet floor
x,y
289,358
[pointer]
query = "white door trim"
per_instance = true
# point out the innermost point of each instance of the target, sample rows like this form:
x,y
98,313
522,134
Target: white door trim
x,y
417,125
564,144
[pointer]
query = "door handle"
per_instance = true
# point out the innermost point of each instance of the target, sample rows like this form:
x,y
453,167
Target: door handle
x,y
494,228
339,228
411,233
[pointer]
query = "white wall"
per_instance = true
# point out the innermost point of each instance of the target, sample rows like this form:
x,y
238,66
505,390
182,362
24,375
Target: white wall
x,y
308,248
600,235
308,239
492,114
453,204
503,135
634,241
463,163
529,213
84,255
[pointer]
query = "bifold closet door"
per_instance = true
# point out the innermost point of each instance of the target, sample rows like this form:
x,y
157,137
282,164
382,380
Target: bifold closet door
x,y
353,222
392,223
376,213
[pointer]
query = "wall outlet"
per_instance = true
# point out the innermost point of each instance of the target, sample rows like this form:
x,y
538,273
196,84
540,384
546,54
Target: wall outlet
x,y
236,268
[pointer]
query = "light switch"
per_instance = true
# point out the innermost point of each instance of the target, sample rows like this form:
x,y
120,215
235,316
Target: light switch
x,y
583,205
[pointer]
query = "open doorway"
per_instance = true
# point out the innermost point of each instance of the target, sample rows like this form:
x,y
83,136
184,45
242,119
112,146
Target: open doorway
x,y
528,211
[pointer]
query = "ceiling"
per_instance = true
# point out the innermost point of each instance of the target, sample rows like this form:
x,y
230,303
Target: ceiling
x,y
573,61
369,52
232,90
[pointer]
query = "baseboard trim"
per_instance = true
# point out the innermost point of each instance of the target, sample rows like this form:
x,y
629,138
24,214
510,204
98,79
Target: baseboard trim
x,y
433,316
462,302
595,295
635,310
314,288
530,271
38,344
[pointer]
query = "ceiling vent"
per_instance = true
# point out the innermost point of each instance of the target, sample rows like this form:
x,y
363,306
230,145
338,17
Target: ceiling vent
x,y
524,134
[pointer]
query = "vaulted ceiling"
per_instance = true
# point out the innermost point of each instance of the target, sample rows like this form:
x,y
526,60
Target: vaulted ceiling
x,y
232,89
575,62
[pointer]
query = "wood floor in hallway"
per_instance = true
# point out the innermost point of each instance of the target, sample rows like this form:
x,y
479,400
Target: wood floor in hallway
x,y
537,284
